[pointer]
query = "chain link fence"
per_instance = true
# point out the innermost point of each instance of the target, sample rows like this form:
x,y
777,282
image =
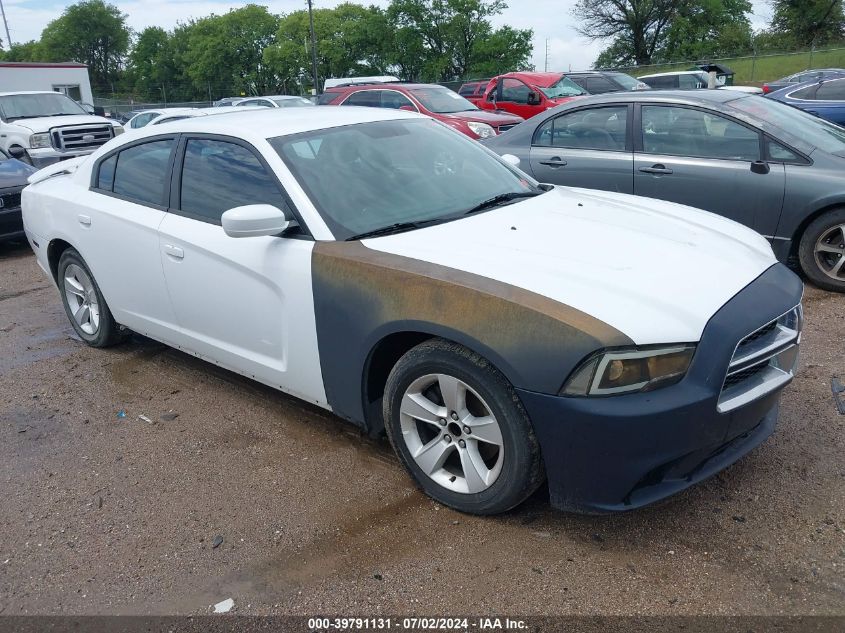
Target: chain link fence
x,y
756,68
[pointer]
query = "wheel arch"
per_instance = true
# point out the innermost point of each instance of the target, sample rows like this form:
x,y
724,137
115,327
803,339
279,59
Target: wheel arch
x,y
55,248
394,341
798,234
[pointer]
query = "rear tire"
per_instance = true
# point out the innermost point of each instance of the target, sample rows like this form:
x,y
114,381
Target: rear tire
x,y
459,429
85,306
821,251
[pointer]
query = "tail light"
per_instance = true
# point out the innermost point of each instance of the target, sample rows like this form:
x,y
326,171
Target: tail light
x,y
766,89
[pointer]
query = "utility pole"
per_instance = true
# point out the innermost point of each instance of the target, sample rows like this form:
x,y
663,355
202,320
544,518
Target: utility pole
x,y
547,55
6,24
316,88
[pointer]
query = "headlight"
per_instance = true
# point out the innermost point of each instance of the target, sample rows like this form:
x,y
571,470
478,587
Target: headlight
x,y
626,371
482,130
118,129
37,141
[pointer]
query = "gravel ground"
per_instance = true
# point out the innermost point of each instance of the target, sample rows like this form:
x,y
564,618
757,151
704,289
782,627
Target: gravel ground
x,y
109,515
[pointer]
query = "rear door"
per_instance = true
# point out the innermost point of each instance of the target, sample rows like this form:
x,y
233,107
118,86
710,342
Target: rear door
x,y
245,303
705,160
588,147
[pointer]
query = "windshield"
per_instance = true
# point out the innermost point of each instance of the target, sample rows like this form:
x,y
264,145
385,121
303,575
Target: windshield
x,y
297,102
373,175
27,106
626,81
564,87
806,127
441,100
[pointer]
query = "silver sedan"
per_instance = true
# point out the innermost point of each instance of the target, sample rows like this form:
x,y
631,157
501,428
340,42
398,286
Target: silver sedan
x,y
762,163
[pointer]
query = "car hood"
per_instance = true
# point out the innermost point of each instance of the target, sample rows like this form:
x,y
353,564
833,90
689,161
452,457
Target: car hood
x,y
654,270
494,118
13,173
44,124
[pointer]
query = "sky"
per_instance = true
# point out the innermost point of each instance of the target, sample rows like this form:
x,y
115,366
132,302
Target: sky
x,y
551,20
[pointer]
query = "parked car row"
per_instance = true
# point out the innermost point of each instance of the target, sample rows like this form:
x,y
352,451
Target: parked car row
x,y
747,158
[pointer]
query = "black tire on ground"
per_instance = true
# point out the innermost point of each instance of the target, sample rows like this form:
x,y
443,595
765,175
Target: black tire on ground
x,y
522,470
108,332
807,247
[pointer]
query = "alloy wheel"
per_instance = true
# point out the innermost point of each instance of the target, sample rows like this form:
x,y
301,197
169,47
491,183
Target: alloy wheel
x,y
82,299
830,252
451,433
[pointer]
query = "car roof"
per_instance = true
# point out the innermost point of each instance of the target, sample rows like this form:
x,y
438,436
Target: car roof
x,y
274,97
672,73
273,122
30,92
544,80
701,96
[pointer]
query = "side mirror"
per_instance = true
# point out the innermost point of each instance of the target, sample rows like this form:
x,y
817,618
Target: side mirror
x,y
255,220
16,151
510,159
533,98
760,167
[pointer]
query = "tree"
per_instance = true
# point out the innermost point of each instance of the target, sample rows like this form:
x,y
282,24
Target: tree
x,y
31,51
93,33
452,37
351,40
225,53
635,26
707,28
805,23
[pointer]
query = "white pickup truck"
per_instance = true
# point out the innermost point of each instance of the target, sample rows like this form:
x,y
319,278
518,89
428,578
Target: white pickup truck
x,y
45,127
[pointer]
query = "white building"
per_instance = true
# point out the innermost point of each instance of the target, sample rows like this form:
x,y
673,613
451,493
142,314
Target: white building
x,y
69,78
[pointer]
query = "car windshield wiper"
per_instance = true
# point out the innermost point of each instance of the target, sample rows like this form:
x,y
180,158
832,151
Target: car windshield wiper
x,y
502,198
398,227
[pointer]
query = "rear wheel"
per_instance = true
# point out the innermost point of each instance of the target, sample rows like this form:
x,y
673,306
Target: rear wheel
x,y
85,306
459,429
822,251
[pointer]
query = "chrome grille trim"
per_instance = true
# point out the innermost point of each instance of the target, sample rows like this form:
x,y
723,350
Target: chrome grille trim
x,y
76,137
763,361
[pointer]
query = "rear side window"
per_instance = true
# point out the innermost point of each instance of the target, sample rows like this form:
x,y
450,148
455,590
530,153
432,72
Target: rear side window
x,y
219,175
805,93
371,98
686,132
662,83
138,172
599,85
105,178
831,91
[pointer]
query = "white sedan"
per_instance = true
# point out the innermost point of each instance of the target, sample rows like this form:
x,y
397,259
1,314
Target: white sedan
x,y
380,265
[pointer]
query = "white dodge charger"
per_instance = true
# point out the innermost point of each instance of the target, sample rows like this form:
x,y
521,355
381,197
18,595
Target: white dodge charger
x,y
378,264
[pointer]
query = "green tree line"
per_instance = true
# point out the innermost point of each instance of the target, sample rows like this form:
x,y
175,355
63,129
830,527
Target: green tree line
x,y
253,51
641,32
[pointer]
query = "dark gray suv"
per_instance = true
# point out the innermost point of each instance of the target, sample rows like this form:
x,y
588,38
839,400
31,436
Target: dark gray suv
x,y
754,160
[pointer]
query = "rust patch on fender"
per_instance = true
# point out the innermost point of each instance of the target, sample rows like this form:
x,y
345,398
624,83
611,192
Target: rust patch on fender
x,y
361,295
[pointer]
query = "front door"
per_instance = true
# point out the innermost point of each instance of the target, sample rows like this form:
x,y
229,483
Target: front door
x,y
588,147
705,160
246,303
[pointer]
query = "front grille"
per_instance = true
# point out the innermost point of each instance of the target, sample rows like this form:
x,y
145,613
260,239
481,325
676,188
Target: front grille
x,y
757,335
11,199
763,361
505,128
81,137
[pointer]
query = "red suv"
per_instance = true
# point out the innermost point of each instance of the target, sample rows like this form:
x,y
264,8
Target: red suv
x,y
435,101
527,94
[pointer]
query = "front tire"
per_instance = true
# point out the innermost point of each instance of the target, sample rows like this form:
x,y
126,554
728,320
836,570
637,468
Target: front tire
x,y
460,430
85,306
822,251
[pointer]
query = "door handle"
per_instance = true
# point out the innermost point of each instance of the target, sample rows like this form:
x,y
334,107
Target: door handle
x,y
656,169
174,251
84,220
554,161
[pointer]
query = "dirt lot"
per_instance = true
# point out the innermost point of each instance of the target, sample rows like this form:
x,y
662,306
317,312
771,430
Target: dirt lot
x,y
102,514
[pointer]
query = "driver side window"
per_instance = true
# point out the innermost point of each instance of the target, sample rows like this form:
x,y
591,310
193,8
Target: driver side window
x,y
515,91
593,128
